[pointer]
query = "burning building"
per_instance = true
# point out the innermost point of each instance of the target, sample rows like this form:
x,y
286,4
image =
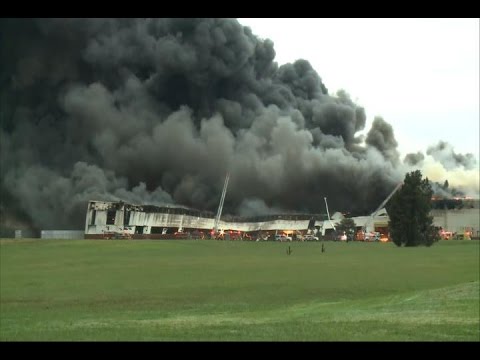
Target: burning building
x,y
121,220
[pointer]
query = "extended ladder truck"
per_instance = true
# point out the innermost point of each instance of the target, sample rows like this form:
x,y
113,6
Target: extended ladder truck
x,y
363,235
216,233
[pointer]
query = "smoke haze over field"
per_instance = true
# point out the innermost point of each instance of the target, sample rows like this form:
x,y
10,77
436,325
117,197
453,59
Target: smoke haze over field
x,y
156,111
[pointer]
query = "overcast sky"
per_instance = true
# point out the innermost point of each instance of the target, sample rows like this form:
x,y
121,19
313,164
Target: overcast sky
x,y
420,75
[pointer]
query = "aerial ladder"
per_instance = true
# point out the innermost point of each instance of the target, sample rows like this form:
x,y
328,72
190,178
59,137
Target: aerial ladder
x,y
373,214
328,216
220,207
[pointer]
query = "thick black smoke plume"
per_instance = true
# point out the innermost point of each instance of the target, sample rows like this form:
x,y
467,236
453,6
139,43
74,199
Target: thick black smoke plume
x,y
158,110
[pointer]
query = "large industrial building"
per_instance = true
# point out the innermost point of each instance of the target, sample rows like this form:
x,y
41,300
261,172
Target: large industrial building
x,y
118,219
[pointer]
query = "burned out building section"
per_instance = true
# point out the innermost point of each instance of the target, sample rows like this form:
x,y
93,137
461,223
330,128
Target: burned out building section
x,y
121,220
109,220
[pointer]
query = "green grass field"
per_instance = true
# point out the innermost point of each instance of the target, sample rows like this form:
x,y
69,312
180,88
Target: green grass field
x,y
240,291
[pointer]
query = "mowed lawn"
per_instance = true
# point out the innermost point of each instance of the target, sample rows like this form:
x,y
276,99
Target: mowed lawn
x,y
242,291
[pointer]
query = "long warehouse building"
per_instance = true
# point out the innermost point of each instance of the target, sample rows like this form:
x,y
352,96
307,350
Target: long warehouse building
x,y
114,219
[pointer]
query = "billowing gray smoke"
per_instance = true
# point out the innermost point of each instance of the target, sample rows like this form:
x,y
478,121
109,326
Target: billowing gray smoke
x,y
414,158
443,153
381,136
156,111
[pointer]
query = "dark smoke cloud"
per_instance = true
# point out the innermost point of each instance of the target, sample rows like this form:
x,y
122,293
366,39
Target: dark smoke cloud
x,y
257,207
156,111
413,159
443,153
382,138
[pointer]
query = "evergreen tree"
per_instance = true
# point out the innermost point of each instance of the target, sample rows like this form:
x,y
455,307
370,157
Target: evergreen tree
x,y
346,225
409,210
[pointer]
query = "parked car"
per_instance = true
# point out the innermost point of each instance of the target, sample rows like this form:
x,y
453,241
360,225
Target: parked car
x,y
282,237
310,237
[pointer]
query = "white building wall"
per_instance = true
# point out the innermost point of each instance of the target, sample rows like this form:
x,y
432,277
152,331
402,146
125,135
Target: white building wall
x,y
457,220
187,221
100,217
